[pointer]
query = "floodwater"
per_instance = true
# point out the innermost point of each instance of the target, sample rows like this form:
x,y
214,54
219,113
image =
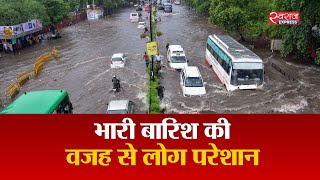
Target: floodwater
x,y
84,69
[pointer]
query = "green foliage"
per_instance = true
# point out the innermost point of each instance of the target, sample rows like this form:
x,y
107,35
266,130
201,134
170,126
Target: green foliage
x,y
19,11
296,39
202,6
57,10
49,11
257,20
154,105
227,15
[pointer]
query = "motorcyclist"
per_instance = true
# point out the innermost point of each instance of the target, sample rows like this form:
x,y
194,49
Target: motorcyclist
x,y
116,83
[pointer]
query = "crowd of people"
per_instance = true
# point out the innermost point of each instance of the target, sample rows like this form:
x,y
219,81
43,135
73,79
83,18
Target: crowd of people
x,y
11,45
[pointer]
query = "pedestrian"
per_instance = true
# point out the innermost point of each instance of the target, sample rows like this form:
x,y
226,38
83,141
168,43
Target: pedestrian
x,y
160,91
40,38
159,18
159,59
167,46
11,47
145,30
146,59
158,70
5,47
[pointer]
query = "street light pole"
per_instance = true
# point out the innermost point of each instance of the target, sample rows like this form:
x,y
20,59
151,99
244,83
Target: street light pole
x,y
151,39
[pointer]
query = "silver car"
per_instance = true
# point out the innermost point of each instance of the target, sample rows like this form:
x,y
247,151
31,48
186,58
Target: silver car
x,y
120,107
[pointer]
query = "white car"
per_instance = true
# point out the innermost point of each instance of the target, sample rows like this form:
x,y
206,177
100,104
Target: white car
x,y
118,60
134,17
191,82
120,107
141,25
176,57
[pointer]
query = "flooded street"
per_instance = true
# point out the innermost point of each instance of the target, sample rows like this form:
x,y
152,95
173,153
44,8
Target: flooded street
x,y
84,69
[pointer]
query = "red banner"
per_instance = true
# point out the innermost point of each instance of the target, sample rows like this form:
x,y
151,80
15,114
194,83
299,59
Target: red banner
x,y
186,146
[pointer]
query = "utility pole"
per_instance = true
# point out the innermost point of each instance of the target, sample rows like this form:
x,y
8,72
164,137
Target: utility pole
x,y
151,39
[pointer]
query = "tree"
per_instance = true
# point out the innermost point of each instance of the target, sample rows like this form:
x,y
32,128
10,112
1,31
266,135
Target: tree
x,y
21,11
8,15
57,10
297,39
231,15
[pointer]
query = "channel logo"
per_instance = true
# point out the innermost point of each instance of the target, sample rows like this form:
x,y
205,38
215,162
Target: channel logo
x,y
284,18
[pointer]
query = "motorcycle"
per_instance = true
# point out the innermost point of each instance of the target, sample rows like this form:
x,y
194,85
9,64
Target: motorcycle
x,y
116,86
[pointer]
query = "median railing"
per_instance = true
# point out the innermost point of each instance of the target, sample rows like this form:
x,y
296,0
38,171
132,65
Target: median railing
x,y
14,88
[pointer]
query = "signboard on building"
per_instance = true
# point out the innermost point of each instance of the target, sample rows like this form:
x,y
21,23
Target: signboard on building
x,y
92,15
20,30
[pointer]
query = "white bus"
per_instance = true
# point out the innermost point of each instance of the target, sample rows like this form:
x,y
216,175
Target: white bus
x,y
235,65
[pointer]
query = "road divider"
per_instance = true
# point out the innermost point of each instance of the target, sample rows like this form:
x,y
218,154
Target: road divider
x,y
37,68
46,57
55,53
12,90
23,78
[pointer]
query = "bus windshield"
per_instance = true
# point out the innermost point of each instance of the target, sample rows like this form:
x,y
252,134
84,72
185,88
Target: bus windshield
x,y
178,59
193,82
246,76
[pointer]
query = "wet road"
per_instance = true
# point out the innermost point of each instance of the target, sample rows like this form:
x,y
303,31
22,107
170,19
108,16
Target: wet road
x,y
84,69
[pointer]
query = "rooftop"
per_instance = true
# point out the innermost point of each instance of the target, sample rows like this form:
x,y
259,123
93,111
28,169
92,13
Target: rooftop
x,y
36,102
117,55
176,47
192,71
235,49
118,104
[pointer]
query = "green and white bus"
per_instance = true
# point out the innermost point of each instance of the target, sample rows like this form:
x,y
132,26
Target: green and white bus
x,y
40,102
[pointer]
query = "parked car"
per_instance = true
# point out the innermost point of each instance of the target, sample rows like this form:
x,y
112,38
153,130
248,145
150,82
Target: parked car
x,y
191,82
118,60
120,107
141,25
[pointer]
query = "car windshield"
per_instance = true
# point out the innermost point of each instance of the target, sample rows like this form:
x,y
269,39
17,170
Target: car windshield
x,y
178,59
193,82
118,111
117,59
